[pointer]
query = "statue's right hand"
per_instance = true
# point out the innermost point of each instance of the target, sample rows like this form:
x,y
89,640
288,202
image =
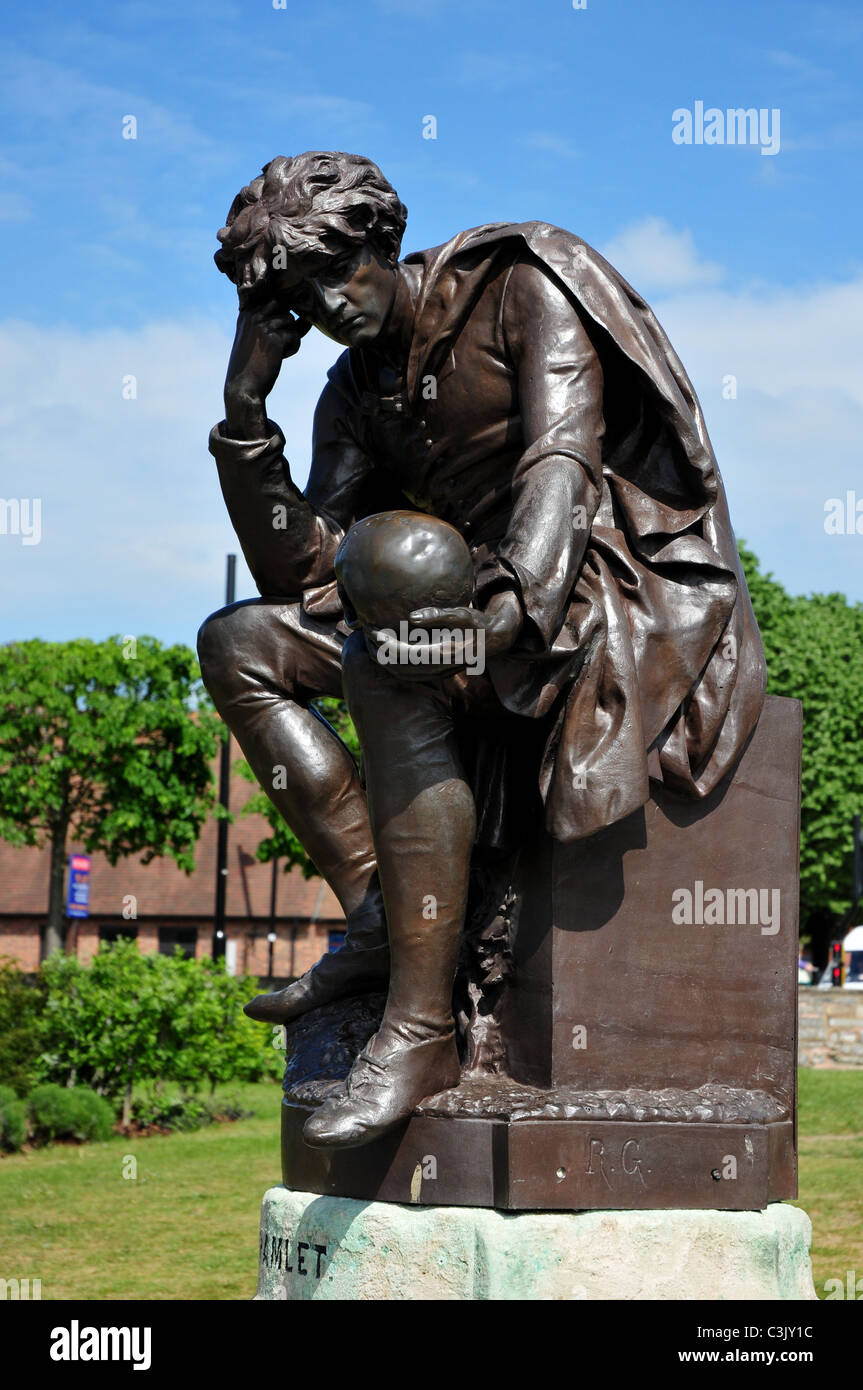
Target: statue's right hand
x,y
266,334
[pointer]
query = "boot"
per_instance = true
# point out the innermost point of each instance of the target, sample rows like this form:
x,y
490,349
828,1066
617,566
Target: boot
x,y
413,1054
359,966
382,1090
325,806
424,822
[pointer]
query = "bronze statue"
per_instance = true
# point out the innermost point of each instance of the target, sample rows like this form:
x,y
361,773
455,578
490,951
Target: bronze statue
x,y
511,385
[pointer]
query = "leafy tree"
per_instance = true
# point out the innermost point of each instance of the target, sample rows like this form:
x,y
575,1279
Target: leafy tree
x,y
283,843
102,1022
98,741
128,1019
814,647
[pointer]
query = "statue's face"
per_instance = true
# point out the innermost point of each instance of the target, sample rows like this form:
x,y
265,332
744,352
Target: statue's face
x,y
348,298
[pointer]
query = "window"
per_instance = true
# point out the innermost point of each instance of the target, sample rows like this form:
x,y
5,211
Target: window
x,y
112,934
184,937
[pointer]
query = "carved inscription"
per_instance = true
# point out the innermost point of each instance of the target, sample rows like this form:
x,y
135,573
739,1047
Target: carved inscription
x,y
302,1257
615,1164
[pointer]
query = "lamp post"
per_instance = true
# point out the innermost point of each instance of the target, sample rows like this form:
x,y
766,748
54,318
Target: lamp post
x,y
271,934
224,799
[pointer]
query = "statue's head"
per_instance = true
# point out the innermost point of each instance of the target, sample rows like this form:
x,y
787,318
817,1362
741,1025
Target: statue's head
x,y
320,233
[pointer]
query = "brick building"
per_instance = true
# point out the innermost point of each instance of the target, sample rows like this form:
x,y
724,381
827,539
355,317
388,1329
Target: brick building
x,y
162,907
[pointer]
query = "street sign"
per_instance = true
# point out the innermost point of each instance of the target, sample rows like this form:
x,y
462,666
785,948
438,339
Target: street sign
x,y
78,892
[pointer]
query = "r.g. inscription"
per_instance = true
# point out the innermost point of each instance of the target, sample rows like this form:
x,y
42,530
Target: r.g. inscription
x,y
615,1164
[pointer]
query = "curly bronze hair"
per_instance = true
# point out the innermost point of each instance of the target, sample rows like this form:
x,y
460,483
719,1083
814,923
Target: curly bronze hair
x,y
310,205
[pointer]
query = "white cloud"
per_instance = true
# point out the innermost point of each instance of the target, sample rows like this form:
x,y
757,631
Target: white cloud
x,y
15,207
497,72
62,98
800,67
653,255
549,142
134,530
323,108
793,437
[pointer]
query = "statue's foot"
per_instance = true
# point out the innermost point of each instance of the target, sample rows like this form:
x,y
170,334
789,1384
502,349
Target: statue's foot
x,y
383,1089
360,965
343,972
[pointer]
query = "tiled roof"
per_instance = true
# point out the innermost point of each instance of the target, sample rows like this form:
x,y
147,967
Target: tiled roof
x,y
163,890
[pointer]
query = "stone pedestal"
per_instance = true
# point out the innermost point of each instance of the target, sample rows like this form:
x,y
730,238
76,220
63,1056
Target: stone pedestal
x,y
338,1248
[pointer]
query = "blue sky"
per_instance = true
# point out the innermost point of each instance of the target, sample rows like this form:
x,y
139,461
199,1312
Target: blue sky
x,y
751,260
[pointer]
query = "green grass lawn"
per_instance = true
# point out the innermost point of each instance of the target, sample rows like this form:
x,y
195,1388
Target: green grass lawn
x,y
831,1170
187,1226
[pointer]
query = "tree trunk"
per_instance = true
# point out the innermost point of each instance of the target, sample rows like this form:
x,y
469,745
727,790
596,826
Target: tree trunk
x,y
54,936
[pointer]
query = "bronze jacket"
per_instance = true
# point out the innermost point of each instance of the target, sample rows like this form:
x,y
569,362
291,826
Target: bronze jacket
x,y
544,413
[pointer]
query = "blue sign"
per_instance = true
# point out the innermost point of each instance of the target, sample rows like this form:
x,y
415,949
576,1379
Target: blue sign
x,y
78,894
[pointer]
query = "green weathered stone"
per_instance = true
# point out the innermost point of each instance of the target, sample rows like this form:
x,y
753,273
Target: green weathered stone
x,y
339,1248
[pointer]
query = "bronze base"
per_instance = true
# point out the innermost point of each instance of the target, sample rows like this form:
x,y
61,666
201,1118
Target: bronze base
x,y
651,1064
552,1165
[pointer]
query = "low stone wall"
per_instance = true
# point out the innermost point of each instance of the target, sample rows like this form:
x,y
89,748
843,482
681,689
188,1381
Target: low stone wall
x,y
831,1028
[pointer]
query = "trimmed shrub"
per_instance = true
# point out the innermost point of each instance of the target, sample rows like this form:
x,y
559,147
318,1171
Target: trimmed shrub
x,y
22,1002
185,1112
175,1112
94,1119
58,1112
13,1120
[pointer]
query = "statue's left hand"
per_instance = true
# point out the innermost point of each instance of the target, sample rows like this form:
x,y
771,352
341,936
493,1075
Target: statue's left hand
x,y
501,620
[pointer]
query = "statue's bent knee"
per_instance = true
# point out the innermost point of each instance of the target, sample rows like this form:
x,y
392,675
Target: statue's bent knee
x,y
232,642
